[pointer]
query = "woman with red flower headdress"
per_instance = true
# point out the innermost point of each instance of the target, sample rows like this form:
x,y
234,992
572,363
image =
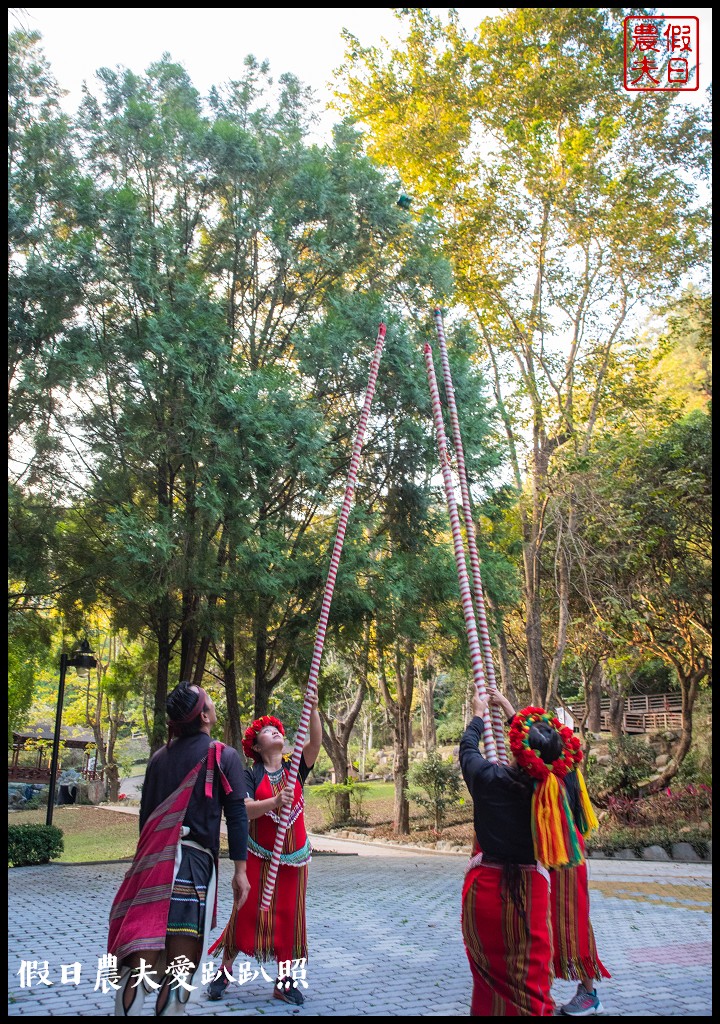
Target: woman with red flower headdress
x,y
575,955
279,934
524,827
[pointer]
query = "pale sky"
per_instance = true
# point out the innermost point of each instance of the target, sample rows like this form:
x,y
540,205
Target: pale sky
x,y
212,42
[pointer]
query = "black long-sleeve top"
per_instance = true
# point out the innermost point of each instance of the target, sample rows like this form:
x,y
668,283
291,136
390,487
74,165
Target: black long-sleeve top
x,y
502,797
167,769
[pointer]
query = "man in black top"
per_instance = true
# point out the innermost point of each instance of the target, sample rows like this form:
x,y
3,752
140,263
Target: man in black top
x,y
186,789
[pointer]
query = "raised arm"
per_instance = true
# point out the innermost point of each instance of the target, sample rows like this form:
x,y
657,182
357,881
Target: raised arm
x,y
471,760
314,740
501,701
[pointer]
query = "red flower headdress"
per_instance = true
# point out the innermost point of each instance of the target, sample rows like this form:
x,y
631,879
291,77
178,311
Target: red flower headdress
x,y
252,731
554,838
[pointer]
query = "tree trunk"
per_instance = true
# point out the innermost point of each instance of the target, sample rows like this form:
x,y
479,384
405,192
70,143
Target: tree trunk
x,y
112,771
401,814
593,697
689,689
201,659
336,740
203,647
533,626
363,750
585,736
338,755
562,564
159,731
617,711
263,686
188,636
399,709
504,665
427,705
146,719
162,624
403,739
190,597
233,727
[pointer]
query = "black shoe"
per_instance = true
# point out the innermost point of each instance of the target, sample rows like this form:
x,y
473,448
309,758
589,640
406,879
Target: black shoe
x,y
282,989
216,988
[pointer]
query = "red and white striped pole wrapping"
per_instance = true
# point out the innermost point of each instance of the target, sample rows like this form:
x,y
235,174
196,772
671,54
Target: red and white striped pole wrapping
x,y
476,659
476,578
323,620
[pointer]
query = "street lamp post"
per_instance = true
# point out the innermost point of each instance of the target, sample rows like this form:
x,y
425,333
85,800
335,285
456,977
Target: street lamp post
x,y
82,660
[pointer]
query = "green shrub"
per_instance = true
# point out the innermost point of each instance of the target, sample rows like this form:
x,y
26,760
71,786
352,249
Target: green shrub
x,y
632,762
610,840
696,768
327,791
449,731
34,844
371,762
437,785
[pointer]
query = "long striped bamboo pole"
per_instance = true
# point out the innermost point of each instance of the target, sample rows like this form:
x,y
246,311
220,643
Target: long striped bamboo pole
x,y
311,689
476,659
476,578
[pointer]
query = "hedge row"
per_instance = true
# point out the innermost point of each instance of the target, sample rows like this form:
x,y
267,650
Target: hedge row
x,y
34,844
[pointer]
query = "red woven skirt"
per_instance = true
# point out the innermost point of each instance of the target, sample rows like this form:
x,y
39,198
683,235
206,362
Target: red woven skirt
x,y
276,934
511,963
575,954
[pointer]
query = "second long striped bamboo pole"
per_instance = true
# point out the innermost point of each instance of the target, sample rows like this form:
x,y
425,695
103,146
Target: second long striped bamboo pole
x,y
476,579
476,659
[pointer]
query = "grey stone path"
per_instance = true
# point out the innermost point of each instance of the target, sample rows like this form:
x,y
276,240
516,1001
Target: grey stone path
x,y
384,939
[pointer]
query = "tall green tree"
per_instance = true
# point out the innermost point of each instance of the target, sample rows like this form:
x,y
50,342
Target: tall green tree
x,y
46,240
45,248
652,540
566,206
235,285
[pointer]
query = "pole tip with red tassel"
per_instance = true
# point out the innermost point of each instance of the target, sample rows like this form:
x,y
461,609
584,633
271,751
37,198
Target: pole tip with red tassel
x,y
381,330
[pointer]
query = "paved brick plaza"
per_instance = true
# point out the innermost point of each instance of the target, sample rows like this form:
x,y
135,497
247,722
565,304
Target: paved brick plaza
x,y
384,939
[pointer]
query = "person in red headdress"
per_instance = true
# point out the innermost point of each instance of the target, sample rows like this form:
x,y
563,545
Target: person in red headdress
x,y
575,954
524,828
280,933
161,917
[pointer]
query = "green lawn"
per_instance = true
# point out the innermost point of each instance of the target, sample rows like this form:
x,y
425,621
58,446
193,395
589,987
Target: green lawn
x,y
372,791
89,833
92,834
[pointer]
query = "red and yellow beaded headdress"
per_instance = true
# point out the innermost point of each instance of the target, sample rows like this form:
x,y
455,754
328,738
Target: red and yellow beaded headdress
x,y
554,838
252,731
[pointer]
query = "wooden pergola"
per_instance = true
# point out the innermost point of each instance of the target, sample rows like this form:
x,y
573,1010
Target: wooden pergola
x,y
40,772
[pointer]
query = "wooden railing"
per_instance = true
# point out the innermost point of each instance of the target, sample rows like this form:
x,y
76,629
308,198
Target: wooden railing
x,y
640,713
20,773
17,773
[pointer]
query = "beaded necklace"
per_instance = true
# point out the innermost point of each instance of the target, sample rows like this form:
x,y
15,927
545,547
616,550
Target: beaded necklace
x,y
275,776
